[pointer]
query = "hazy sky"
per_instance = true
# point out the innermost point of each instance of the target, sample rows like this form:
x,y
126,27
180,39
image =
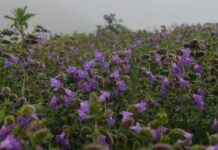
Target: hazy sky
x,y
83,15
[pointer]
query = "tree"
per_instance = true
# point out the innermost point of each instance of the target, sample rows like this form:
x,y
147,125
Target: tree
x,y
20,18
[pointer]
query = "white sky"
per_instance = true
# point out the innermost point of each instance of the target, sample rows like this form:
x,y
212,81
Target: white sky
x,y
83,15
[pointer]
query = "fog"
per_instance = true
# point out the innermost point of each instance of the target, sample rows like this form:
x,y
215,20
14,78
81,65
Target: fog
x,y
67,16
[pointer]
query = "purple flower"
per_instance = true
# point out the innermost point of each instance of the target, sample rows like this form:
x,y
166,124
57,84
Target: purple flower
x,y
99,56
105,65
42,38
14,59
186,52
163,89
115,74
87,86
151,76
10,143
157,58
156,134
197,68
115,58
102,141
199,100
87,65
72,70
201,91
121,86
55,83
140,106
214,147
5,131
137,128
65,144
104,96
69,93
82,74
176,69
188,136
125,115
183,83
110,121
184,61
83,110
53,102
215,125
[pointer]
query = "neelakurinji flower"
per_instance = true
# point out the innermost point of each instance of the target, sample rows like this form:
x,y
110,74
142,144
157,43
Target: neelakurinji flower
x,y
82,74
10,143
140,106
215,125
87,65
54,102
199,100
151,76
125,115
121,86
63,141
111,121
101,139
72,70
115,74
99,56
83,110
186,52
183,83
137,128
115,58
5,131
55,83
104,96
184,61
197,68
176,70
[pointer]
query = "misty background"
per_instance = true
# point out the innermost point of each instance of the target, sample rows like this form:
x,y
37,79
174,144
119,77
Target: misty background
x,y
66,16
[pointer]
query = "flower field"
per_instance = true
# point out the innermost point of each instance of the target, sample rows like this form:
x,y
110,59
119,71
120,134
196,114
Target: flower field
x,y
111,90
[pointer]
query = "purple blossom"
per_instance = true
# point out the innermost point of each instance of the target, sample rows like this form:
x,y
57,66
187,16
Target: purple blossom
x,y
115,74
55,83
157,58
151,76
105,65
176,69
188,136
87,65
87,86
70,93
183,83
102,141
163,89
110,121
184,61
104,96
65,144
54,102
72,70
156,134
125,115
121,86
186,52
197,68
24,120
83,110
115,58
14,59
140,106
137,128
82,74
5,131
10,143
99,56
199,100
215,125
